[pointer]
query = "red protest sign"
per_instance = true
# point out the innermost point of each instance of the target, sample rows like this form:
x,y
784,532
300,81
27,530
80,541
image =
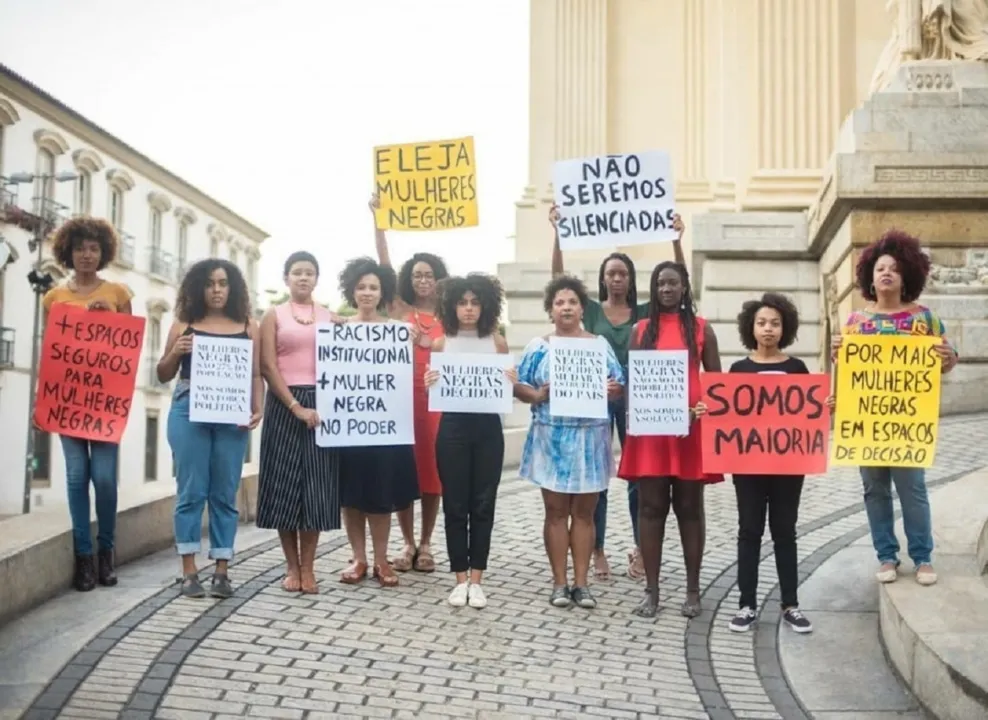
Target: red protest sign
x,y
88,369
765,424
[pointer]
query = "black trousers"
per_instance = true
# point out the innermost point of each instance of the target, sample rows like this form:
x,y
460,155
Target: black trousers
x,y
469,454
778,496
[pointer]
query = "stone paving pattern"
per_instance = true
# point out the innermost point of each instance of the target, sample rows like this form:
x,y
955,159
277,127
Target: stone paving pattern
x,y
364,652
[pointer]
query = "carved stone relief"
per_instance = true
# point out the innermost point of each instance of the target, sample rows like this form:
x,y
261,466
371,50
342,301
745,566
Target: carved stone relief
x,y
973,273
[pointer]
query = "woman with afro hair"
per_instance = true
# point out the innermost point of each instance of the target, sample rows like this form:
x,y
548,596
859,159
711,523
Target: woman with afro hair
x,y
416,303
891,275
376,481
612,316
85,246
470,446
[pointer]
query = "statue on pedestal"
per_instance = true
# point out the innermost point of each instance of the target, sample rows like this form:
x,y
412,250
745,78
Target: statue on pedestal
x,y
934,30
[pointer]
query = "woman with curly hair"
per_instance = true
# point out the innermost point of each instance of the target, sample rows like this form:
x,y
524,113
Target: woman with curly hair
x,y
85,246
569,458
212,302
670,468
891,275
613,317
375,481
768,326
469,446
298,481
415,302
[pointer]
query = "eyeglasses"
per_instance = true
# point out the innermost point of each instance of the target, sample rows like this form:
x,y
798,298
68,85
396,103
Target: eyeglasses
x,y
426,276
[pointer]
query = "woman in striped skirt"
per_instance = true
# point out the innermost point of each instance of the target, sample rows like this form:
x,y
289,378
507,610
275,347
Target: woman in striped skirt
x,y
298,484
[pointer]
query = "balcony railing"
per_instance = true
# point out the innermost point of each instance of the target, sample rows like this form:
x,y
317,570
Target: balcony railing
x,y
6,347
8,198
127,249
45,215
153,382
161,264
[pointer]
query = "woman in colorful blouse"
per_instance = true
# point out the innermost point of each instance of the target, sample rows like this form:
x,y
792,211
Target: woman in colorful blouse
x,y
85,246
570,458
612,317
891,275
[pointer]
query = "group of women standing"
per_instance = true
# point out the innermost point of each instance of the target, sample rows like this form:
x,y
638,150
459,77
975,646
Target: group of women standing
x,y
456,458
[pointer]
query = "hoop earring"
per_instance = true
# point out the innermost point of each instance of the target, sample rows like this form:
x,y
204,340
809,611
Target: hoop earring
x,y
873,289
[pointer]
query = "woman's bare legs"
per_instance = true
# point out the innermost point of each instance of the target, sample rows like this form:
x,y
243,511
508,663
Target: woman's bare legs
x,y
555,533
582,535
654,499
308,541
687,503
289,546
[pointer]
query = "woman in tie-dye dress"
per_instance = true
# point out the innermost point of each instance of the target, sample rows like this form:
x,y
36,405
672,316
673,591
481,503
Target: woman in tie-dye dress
x,y
571,459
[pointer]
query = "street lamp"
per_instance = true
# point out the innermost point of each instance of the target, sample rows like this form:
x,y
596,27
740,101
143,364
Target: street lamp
x,y
40,284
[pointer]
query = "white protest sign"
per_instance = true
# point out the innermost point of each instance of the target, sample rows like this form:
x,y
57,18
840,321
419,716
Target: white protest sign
x,y
614,200
471,383
364,384
578,377
658,392
221,380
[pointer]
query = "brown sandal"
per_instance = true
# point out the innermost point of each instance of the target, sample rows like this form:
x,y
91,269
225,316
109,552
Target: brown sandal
x,y
309,584
404,562
354,574
291,583
385,576
424,562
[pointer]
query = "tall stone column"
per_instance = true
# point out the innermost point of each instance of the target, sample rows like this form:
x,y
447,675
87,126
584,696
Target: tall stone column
x,y
804,86
568,105
728,112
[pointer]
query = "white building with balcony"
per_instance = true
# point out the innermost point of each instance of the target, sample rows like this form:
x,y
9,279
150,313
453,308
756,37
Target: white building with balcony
x,y
164,224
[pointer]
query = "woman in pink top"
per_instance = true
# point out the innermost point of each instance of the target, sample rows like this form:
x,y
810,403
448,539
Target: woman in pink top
x,y
298,484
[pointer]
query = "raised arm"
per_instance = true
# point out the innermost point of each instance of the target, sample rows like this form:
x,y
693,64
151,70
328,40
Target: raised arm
x,y
176,345
557,254
398,309
711,351
677,244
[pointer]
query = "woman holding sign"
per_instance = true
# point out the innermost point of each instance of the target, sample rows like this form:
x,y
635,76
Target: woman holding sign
x,y
891,275
376,481
570,458
298,490
85,246
670,468
470,445
612,318
213,302
415,302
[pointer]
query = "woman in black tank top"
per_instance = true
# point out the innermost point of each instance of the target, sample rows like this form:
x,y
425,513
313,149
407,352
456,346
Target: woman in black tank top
x,y
209,457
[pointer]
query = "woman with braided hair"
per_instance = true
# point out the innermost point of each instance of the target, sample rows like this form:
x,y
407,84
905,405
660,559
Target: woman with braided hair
x,y
669,469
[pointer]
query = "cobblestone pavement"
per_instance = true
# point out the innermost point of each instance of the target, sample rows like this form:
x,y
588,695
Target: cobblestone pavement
x,y
366,652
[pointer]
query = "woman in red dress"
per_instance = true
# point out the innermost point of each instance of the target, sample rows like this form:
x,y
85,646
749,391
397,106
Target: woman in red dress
x,y
670,468
415,304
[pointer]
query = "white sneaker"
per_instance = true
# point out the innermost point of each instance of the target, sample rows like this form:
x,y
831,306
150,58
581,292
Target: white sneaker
x,y
458,598
477,598
887,573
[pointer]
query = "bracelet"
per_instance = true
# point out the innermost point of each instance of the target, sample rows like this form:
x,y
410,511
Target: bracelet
x,y
292,406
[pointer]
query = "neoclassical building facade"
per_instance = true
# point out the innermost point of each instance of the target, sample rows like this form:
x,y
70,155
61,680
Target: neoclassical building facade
x,y
164,223
785,161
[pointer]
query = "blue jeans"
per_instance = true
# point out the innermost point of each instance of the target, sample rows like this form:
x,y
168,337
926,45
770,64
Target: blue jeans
x,y
91,461
910,484
619,421
209,460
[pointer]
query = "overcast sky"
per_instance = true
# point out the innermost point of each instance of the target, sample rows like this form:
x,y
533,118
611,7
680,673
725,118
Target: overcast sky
x,y
273,107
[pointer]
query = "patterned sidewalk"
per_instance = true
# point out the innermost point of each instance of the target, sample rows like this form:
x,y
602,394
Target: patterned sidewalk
x,y
365,652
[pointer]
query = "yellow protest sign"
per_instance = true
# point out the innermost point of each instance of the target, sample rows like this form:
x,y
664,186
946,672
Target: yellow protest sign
x,y
888,401
426,186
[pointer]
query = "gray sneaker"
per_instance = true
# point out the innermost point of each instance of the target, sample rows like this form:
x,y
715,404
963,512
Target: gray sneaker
x,y
191,587
220,587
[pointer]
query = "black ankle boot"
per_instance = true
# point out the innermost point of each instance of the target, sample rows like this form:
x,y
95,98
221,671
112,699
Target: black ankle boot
x,y
106,574
85,573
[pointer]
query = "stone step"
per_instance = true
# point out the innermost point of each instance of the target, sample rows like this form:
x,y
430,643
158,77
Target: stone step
x,y
937,637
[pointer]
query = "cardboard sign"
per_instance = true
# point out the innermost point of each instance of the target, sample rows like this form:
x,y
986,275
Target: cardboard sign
x,y
658,392
89,363
578,377
471,383
427,185
221,380
765,424
888,401
614,200
364,384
